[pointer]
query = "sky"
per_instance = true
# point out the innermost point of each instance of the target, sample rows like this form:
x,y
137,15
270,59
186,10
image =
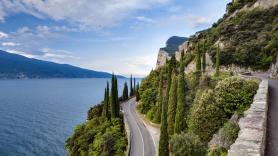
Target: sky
x,y
121,36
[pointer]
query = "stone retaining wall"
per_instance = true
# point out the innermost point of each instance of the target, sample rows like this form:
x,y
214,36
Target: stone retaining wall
x,y
252,134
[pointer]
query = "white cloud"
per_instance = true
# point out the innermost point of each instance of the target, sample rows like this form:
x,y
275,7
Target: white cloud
x,y
96,13
3,35
145,19
19,52
197,21
23,30
12,44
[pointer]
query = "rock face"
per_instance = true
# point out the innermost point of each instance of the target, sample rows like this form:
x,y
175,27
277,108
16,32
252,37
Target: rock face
x,y
162,57
265,3
172,45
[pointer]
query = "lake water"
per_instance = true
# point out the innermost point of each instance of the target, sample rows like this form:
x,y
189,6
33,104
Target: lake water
x,y
37,116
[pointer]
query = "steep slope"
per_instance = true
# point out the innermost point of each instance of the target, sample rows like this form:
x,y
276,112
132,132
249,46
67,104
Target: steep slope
x,y
17,66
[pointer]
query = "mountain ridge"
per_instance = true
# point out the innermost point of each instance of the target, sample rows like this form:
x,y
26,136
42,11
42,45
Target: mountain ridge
x,y
14,66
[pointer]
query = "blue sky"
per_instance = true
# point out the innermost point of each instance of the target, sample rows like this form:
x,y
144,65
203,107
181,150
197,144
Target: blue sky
x,y
123,36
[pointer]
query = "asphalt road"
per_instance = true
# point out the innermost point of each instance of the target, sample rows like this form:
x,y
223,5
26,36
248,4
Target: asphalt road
x,y
272,129
142,143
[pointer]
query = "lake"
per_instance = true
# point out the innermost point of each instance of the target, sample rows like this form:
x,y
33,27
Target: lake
x,y
38,115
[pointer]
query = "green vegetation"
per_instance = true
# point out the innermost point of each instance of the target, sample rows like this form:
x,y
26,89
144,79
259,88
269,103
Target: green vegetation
x,y
217,64
172,105
164,138
131,93
205,117
103,133
125,92
235,94
182,108
187,144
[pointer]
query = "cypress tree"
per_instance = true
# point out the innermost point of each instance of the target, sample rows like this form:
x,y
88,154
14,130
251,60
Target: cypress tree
x,y
204,62
217,61
160,97
117,104
134,86
137,92
172,105
125,92
104,113
198,59
131,88
181,103
164,138
107,101
112,98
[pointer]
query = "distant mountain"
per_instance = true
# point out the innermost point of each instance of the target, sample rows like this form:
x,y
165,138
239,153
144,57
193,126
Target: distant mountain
x,y
173,43
16,66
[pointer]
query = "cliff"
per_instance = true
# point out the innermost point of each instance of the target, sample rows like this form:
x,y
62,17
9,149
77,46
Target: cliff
x,y
247,35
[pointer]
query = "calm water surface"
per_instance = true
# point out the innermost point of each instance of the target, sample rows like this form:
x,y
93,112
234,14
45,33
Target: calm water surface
x,y
36,116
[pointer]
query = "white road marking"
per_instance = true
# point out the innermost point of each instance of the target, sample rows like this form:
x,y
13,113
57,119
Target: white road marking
x,y
138,130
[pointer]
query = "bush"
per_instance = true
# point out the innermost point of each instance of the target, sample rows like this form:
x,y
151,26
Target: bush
x,y
205,116
235,94
231,131
187,144
217,151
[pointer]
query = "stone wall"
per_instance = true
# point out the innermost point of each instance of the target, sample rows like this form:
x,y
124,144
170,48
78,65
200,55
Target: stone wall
x,y
252,134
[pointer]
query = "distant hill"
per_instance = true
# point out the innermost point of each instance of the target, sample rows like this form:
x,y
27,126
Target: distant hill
x,y
173,43
16,66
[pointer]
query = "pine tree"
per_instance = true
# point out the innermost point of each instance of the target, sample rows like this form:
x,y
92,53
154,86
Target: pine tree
x,y
198,59
112,98
131,88
217,61
204,62
164,138
172,105
181,103
160,97
104,113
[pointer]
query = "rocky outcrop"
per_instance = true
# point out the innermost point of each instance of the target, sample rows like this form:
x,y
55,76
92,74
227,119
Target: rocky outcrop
x,y
252,134
162,57
265,3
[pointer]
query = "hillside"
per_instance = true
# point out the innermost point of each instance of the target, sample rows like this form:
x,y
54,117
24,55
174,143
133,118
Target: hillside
x,y
197,94
16,66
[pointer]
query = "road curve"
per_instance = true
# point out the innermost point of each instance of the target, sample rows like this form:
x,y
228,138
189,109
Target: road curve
x,y
272,128
140,138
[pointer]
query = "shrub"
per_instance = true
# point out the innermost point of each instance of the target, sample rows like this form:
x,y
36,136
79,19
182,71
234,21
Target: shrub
x,y
217,151
235,94
231,131
187,144
205,117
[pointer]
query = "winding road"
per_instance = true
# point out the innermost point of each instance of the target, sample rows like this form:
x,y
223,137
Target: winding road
x,y
141,142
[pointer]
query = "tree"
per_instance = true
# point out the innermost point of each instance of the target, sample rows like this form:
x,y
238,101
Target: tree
x,y
172,105
125,92
217,61
105,112
137,92
180,122
160,97
134,86
205,116
113,98
164,138
204,62
131,88
187,144
198,59
117,98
